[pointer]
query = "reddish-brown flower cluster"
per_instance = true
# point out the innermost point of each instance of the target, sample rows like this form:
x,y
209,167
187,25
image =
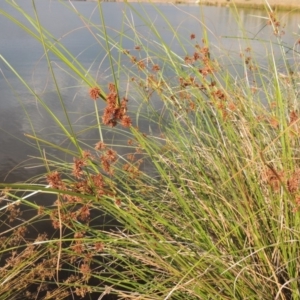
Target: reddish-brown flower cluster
x,y
219,94
205,57
79,163
276,179
297,204
273,122
111,155
99,247
118,202
202,55
86,271
219,98
95,92
133,171
273,178
100,146
126,121
107,159
86,184
141,64
55,181
293,183
133,59
293,117
84,213
206,70
82,187
115,112
155,68
273,20
196,56
248,59
188,59
98,183
154,83
189,81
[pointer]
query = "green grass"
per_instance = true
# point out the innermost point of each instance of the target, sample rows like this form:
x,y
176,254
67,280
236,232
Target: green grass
x,y
213,215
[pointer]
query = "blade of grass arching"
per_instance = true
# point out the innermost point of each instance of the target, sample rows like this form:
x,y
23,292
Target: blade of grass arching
x,y
88,24
285,104
154,30
288,163
152,152
281,111
25,111
169,25
116,75
188,150
110,43
53,146
109,50
62,127
289,219
116,78
23,187
70,61
23,265
111,40
21,102
138,40
120,43
98,122
71,136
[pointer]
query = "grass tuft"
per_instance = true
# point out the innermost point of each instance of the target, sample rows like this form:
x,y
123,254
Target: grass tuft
x,y
203,205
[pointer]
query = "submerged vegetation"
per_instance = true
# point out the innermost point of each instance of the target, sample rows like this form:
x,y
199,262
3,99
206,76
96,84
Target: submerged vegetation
x,y
205,205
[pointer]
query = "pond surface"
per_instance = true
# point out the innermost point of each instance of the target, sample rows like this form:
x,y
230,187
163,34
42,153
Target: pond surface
x,y
20,109
25,55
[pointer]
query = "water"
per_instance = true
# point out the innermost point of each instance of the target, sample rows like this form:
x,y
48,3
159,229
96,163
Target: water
x,y
25,55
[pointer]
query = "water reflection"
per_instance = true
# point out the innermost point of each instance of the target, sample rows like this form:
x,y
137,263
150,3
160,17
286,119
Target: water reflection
x,y
26,56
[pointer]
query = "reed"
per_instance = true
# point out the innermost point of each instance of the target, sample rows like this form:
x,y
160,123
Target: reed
x,y
213,215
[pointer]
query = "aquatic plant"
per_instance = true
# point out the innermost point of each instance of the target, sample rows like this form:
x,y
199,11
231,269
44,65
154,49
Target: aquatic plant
x,y
213,215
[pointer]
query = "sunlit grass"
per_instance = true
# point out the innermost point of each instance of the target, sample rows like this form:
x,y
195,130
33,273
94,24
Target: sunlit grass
x,y
204,205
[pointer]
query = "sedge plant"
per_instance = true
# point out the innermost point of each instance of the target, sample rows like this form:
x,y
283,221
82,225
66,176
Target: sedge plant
x,y
202,206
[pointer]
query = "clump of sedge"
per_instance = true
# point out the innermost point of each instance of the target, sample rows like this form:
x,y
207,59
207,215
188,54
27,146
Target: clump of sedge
x,y
115,111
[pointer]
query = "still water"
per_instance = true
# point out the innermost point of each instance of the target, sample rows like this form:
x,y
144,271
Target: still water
x,y
20,110
25,55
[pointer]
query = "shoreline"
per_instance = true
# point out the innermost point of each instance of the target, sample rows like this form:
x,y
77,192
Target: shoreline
x,y
275,4
255,4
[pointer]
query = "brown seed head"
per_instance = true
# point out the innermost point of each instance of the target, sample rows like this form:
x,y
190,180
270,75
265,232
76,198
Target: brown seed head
x,y
126,121
95,92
